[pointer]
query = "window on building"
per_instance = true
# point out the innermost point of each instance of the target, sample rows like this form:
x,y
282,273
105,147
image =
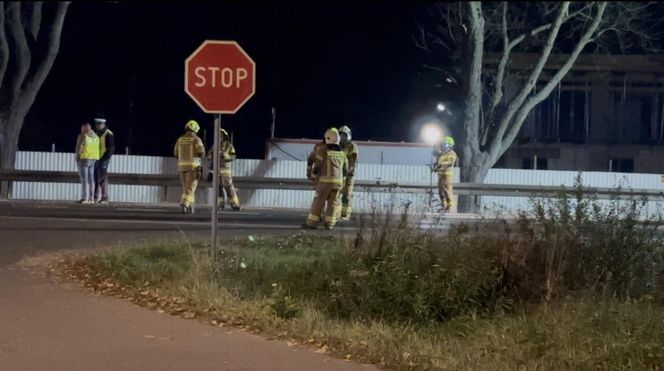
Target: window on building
x,y
527,163
637,117
622,165
564,116
574,118
542,163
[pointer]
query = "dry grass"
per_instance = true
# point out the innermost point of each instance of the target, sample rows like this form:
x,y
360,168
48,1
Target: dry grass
x,y
570,286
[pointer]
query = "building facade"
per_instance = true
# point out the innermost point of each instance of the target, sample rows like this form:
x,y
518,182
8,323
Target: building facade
x,y
606,115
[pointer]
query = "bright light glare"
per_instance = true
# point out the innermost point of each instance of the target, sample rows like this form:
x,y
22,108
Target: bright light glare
x,y
440,107
431,133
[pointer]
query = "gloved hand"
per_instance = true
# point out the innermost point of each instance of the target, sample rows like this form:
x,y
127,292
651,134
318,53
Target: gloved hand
x,y
209,177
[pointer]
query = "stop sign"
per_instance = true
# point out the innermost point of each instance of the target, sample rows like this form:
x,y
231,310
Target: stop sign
x,y
220,76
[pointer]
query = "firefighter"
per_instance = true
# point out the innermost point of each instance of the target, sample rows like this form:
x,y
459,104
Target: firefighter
x,y
319,148
106,150
189,150
446,160
329,169
350,149
226,157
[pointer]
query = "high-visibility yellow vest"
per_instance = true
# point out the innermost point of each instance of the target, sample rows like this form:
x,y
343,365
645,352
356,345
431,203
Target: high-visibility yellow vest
x,y
102,142
189,150
446,162
330,167
90,146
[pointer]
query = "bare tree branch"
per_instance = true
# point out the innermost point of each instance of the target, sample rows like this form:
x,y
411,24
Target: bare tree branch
x,y
474,84
35,19
553,82
497,95
4,45
22,52
53,30
532,79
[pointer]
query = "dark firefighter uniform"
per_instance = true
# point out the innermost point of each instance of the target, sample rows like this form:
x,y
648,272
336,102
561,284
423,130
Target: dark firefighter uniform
x,y
106,150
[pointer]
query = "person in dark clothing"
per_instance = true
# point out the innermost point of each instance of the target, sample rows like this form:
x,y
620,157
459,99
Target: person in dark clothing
x,y
106,150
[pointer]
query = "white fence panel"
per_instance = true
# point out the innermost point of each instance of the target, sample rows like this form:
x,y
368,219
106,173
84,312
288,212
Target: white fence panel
x,y
271,198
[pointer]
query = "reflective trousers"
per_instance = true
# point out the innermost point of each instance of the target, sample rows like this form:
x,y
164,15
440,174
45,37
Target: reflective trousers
x,y
347,197
445,191
327,197
189,182
226,184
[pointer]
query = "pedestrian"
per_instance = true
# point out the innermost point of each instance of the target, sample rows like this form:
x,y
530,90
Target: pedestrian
x,y
189,150
351,150
106,150
87,154
446,160
328,170
226,157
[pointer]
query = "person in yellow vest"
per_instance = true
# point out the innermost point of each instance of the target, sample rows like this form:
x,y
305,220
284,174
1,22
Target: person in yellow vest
x,y
87,154
226,157
189,151
106,150
446,160
329,169
351,150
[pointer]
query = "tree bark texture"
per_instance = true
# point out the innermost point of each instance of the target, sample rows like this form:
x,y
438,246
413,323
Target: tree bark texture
x,y
30,34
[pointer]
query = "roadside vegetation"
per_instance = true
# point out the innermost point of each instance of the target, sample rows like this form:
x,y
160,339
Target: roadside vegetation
x,y
569,284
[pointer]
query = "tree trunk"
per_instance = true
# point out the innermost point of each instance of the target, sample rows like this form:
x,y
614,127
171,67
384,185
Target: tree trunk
x,y
9,133
473,160
473,170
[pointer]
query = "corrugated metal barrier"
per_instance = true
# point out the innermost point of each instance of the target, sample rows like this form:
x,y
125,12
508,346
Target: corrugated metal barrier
x,y
363,201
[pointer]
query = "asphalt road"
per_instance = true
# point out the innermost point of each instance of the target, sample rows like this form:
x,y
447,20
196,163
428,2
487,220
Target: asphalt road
x,y
44,325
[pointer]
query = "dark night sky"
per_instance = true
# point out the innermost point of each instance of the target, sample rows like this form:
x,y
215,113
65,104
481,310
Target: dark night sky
x,y
319,64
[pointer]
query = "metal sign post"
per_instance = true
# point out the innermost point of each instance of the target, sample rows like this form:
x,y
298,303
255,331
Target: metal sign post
x,y
215,187
220,77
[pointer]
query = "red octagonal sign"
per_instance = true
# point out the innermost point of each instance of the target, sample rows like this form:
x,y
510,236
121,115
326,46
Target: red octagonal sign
x,y
220,76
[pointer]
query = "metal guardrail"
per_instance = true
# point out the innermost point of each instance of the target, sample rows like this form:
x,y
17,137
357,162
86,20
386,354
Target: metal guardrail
x,y
172,180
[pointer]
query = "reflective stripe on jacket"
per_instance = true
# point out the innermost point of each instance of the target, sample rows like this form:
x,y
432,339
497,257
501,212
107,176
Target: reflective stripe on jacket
x,y
226,157
189,150
446,162
331,167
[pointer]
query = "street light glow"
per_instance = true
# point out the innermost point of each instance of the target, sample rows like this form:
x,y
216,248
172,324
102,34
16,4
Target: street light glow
x,y
431,133
440,107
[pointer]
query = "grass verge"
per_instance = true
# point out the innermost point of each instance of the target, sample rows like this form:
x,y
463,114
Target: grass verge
x,y
568,286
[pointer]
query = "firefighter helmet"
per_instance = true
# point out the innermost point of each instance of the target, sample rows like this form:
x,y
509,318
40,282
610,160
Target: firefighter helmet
x,y
332,136
224,133
193,126
345,130
447,143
